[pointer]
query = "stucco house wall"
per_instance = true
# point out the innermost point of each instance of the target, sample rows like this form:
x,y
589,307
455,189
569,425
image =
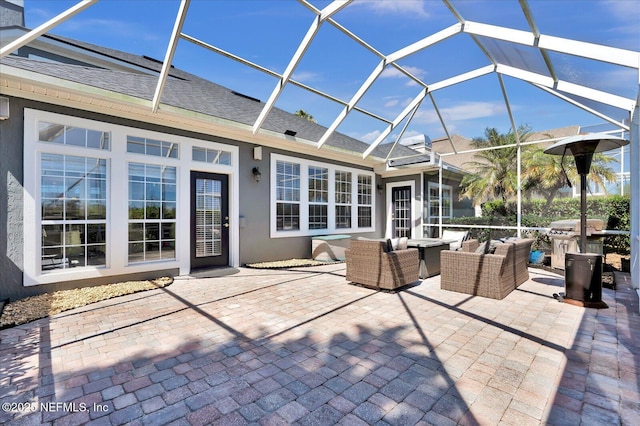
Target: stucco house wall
x,y
255,242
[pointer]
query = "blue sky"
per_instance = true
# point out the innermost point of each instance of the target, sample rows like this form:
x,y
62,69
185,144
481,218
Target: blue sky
x,y
268,33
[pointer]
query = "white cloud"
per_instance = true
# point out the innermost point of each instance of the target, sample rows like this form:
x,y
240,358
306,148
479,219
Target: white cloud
x,y
369,137
625,11
462,112
406,135
306,76
393,72
622,17
415,8
114,28
391,103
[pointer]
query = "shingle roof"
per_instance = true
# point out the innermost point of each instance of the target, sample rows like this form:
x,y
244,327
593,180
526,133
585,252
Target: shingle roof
x,y
192,93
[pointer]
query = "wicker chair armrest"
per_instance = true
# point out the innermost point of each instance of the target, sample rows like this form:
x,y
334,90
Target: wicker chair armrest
x,y
470,246
410,253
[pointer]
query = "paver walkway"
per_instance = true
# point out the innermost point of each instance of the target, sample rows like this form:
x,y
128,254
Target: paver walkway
x,y
303,346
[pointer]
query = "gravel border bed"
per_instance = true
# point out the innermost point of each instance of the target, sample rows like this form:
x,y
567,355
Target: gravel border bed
x,y
43,305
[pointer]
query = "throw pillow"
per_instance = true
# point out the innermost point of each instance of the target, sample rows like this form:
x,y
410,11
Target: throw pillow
x,y
403,243
399,243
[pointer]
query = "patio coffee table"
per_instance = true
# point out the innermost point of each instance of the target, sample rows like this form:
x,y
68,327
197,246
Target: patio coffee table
x,y
430,249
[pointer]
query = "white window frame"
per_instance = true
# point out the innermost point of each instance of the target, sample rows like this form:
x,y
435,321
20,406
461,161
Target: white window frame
x,y
371,196
435,185
304,199
144,220
324,204
344,204
117,189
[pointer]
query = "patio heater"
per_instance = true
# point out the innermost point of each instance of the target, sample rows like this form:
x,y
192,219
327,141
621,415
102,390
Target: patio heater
x,y
583,271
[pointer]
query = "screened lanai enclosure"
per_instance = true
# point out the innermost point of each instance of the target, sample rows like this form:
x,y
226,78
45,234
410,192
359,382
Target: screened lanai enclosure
x,y
478,90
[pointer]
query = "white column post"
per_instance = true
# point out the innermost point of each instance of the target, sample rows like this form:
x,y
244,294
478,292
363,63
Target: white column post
x,y
634,152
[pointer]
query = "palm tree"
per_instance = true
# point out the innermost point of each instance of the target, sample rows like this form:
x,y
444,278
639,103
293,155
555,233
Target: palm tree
x,y
495,170
545,174
302,113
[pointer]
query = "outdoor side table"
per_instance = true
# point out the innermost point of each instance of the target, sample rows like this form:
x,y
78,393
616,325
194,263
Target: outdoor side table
x,y
430,249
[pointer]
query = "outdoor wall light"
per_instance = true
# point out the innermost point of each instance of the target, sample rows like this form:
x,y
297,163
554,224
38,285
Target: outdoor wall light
x,y
256,174
379,188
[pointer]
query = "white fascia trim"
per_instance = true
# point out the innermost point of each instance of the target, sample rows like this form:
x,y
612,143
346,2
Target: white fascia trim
x,y
411,170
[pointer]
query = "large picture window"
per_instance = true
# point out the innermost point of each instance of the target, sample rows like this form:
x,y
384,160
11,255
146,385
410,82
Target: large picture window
x,y
334,199
152,212
102,199
73,194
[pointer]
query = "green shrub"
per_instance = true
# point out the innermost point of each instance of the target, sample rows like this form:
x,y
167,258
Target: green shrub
x,y
614,210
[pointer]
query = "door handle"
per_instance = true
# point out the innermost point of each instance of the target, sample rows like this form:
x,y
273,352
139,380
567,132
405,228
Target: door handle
x,y
226,225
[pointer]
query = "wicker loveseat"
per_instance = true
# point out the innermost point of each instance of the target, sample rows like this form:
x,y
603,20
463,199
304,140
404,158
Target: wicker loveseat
x,y
371,265
487,275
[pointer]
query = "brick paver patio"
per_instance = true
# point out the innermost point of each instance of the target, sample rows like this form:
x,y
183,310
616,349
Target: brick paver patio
x,y
304,347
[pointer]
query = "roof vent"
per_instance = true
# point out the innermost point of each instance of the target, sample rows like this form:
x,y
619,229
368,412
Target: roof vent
x,y
245,96
290,133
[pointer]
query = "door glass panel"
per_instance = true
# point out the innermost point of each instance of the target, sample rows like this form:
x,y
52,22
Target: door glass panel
x,y
208,217
402,212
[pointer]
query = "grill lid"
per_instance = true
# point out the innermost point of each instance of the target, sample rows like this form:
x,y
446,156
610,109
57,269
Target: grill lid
x,y
574,225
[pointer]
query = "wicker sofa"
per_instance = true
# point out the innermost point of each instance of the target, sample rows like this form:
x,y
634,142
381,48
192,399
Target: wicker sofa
x,y
487,275
371,265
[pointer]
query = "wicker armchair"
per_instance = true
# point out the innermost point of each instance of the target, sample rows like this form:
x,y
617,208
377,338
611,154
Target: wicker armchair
x,y
487,275
369,264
